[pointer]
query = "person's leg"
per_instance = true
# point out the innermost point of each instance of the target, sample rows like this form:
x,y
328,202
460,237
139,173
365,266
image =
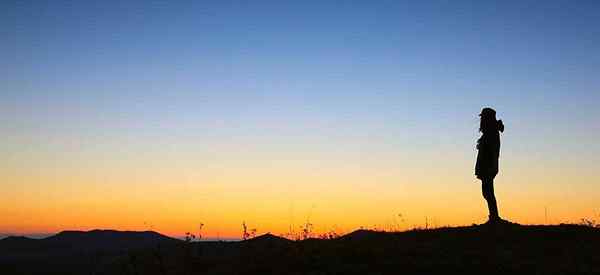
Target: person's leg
x,y
487,188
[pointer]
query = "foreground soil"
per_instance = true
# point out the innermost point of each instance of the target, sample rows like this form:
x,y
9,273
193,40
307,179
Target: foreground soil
x,y
559,249
564,249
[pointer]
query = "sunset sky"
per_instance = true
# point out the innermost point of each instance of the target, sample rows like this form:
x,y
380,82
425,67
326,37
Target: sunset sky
x,y
161,116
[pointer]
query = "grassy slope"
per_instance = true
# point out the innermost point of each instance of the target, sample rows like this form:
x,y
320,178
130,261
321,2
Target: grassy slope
x,y
564,249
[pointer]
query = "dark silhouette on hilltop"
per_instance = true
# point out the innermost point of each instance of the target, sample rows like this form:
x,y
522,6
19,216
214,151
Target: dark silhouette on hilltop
x,y
486,168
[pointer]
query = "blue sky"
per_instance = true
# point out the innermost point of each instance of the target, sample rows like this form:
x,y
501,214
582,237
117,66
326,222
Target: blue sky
x,y
424,65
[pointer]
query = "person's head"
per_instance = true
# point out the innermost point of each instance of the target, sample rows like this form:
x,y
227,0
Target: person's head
x,y
488,122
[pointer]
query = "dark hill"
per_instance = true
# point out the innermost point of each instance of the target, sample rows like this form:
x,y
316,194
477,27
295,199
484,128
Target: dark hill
x,y
15,243
268,240
107,239
69,252
559,249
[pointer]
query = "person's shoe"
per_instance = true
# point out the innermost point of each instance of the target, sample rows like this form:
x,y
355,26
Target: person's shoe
x,y
504,222
491,221
497,221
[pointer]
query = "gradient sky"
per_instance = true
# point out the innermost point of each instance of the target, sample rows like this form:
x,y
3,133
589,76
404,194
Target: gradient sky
x,y
161,116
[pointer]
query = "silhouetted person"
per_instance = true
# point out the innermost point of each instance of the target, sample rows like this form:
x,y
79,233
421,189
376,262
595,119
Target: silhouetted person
x,y
486,168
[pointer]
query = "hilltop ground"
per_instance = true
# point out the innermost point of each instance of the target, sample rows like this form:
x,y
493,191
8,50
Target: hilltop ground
x,y
560,249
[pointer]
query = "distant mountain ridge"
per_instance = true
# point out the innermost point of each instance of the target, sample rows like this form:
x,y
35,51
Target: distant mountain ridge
x,y
106,238
74,250
73,236
69,242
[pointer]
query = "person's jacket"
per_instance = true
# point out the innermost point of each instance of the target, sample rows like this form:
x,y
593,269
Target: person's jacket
x,y
488,147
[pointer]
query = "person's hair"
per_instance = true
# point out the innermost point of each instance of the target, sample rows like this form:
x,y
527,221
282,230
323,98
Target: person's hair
x,y
489,124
